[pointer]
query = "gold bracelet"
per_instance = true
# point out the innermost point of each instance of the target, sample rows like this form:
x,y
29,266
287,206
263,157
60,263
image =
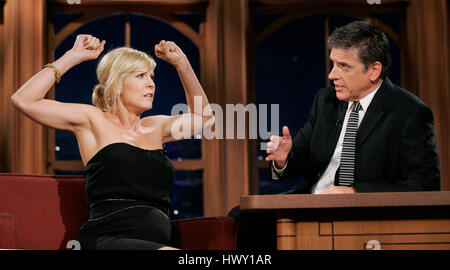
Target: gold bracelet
x,y
55,71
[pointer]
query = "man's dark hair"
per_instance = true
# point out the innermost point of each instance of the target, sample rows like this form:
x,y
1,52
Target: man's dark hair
x,y
364,35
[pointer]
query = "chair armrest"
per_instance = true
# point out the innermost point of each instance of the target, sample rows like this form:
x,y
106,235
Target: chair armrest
x,y
216,233
7,231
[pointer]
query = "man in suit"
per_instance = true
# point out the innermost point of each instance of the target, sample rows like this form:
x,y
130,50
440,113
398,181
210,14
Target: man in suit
x,y
364,134
394,148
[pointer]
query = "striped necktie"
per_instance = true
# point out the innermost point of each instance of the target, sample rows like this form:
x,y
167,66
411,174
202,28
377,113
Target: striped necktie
x,y
347,167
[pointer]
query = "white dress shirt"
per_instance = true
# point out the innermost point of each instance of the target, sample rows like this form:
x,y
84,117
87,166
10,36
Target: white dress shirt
x,y
327,179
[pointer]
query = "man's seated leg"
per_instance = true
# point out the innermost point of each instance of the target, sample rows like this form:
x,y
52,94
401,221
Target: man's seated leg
x,y
256,230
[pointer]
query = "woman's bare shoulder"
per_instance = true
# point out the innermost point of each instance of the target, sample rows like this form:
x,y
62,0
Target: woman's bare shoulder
x,y
154,120
91,110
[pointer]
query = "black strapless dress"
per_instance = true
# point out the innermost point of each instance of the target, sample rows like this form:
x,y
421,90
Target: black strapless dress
x,y
128,194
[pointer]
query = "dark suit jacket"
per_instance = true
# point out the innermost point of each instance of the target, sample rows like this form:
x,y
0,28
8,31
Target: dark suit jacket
x,y
395,145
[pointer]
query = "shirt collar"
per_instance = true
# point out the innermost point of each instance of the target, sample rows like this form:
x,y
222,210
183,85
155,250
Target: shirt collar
x,y
365,101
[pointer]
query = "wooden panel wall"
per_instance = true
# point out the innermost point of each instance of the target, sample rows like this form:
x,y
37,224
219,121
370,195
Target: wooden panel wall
x,y
23,46
235,91
427,71
214,191
3,100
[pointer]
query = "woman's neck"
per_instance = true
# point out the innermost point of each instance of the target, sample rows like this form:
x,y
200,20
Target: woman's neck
x,y
125,118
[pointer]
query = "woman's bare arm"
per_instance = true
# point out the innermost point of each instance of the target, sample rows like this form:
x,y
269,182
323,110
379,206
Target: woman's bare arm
x,y
199,116
30,98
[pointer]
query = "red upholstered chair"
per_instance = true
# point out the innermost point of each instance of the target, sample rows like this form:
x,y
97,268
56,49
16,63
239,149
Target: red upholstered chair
x,y
47,211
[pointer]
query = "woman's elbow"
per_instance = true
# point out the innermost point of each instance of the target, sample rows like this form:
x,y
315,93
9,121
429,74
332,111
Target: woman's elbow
x,y
208,121
15,101
19,103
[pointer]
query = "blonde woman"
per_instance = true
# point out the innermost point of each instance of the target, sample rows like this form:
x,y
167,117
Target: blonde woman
x,y
128,176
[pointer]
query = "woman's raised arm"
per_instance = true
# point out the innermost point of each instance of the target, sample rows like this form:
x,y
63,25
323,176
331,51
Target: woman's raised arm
x,y
199,117
30,98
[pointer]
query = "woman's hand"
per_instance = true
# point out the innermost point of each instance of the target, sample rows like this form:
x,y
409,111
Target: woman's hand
x,y
171,53
86,48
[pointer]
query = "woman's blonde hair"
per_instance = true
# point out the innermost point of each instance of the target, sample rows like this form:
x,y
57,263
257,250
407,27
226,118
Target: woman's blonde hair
x,y
111,71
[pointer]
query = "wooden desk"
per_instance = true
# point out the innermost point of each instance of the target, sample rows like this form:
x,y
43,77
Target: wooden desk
x,y
403,220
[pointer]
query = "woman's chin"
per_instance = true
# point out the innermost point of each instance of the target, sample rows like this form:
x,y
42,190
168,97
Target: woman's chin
x,y
148,108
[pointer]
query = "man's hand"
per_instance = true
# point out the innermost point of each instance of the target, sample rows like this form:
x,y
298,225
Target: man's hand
x,y
278,148
339,190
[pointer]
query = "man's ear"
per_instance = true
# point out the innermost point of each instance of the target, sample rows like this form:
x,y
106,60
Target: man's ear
x,y
375,71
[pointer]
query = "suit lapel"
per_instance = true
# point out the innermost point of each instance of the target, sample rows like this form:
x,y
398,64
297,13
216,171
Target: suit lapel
x,y
338,115
377,108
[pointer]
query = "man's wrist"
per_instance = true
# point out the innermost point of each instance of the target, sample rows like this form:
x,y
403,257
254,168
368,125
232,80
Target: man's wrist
x,y
279,169
280,165
277,173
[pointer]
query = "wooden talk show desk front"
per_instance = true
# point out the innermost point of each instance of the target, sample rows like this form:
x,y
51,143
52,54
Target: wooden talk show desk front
x,y
403,220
